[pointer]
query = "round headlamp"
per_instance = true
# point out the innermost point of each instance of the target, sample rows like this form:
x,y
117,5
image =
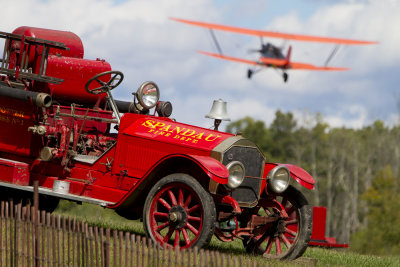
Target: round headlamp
x,y
278,179
148,95
236,174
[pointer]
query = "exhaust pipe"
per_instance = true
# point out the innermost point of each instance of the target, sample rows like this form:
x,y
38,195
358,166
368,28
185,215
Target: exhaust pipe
x,y
125,107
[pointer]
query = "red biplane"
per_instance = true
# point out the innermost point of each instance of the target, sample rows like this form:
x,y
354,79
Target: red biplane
x,y
271,55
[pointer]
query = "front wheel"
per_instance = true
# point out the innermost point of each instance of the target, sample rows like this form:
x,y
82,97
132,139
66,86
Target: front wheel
x,y
287,230
179,213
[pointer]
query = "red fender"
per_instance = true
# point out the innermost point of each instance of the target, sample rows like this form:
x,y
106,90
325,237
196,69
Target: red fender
x,y
297,173
214,169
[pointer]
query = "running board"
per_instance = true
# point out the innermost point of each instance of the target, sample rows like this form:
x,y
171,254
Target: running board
x,y
50,192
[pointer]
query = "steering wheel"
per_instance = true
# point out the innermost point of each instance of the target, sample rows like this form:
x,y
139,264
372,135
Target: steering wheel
x,y
116,76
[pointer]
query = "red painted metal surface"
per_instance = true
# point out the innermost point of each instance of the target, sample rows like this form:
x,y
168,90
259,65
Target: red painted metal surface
x,y
15,118
301,176
72,40
318,237
14,172
215,169
176,133
75,72
149,140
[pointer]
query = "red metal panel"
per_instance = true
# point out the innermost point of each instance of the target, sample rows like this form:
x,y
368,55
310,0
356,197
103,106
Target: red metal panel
x,y
79,188
318,237
148,140
14,172
175,133
75,72
15,118
319,223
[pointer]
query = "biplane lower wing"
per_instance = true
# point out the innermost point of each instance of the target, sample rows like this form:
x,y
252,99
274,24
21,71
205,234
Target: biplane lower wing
x,y
283,63
275,62
230,58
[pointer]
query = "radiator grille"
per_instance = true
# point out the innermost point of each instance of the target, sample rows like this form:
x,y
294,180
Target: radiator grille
x,y
252,160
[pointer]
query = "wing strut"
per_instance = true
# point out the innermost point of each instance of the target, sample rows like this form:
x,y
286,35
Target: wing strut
x,y
333,53
216,42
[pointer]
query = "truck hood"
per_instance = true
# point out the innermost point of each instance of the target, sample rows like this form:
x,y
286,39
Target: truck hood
x,y
168,131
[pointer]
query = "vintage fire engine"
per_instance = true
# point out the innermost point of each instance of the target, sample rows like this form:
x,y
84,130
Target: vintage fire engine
x,y
187,183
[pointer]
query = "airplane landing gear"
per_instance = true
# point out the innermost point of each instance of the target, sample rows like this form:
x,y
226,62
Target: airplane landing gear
x,y
249,73
285,77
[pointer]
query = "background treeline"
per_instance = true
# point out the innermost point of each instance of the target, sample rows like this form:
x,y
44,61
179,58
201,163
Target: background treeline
x,y
356,171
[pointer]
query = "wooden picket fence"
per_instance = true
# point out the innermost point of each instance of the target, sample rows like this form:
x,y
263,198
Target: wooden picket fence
x,y
29,237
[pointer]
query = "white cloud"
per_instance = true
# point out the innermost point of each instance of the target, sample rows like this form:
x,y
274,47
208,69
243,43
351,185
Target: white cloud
x,y
352,117
136,37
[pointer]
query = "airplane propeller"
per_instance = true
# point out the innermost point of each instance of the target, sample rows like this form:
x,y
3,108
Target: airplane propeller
x,y
254,50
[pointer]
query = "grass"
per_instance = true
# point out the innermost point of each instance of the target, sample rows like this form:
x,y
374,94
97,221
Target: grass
x,y
98,216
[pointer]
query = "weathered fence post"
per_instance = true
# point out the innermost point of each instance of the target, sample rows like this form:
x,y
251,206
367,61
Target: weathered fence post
x,y
36,222
106,248
133,249
1,232
143,245
17,218
138,249
127,235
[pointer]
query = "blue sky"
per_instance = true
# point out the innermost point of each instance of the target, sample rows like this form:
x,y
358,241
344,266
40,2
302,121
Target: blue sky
x,y
136,37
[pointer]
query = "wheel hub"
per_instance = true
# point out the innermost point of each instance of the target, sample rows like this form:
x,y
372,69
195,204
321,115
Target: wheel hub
x,y
177,216
280,227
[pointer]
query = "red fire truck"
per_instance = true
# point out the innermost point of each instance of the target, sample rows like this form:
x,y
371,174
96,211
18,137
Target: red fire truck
x,y
61,126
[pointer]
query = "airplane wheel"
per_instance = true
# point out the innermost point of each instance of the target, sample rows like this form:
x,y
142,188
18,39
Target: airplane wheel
x,y
285,77
249,73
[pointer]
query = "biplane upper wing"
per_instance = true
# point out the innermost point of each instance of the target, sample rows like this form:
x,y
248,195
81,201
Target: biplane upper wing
x,y
275,62
296,37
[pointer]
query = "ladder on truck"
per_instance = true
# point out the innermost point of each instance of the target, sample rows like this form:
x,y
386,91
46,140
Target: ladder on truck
x,y
26,44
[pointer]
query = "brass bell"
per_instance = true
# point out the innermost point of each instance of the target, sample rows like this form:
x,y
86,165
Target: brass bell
x,y
218,112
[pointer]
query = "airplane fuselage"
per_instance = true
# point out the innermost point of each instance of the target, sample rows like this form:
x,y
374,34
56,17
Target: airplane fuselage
x,y
271,51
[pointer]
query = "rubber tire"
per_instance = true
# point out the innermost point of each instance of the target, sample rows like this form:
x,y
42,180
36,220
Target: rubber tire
x,y
305,225
209,211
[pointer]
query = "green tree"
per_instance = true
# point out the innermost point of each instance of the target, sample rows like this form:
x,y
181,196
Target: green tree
x,y
382,235
282,133
255,130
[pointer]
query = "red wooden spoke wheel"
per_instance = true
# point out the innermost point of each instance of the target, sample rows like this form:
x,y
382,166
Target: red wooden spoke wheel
x,y
179,213
287,237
